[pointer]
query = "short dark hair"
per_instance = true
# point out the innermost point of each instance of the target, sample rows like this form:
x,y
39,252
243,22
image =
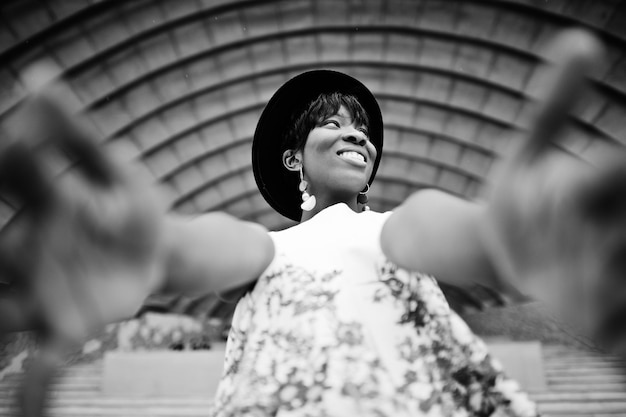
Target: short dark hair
x,y
324,106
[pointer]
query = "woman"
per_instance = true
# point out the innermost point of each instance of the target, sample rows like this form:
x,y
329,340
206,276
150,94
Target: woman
x,y
335,324
332,327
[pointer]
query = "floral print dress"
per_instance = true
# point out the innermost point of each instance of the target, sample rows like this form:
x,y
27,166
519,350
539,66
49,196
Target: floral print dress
x,y
334,329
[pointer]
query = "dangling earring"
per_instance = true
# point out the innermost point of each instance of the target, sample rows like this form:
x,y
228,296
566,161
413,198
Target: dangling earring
x,y
308,201
362,198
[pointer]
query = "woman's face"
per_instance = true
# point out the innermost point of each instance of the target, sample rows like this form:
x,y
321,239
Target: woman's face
x,y
338,157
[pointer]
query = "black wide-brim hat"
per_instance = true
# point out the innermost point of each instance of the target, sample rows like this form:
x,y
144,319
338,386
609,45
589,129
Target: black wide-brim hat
x,y
277,184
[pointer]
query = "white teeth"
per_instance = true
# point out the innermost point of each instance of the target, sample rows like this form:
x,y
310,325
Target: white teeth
x,y
352,155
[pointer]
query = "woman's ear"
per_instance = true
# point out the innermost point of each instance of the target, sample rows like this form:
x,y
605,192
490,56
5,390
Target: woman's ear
x,y
292,160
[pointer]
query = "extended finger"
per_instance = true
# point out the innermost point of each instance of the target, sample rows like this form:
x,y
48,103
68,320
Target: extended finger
x,y
53,123
602,197
15,257
52,116
573,54
26,178
17,311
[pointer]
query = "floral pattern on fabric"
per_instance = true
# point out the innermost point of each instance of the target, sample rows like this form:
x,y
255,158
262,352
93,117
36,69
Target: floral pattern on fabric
x,y
469,379
316,344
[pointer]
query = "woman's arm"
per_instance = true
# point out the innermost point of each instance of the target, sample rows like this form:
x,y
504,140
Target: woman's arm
x,y
213,252
442,235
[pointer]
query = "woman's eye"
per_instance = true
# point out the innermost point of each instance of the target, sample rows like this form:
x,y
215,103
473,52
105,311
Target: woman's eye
x,y
333,122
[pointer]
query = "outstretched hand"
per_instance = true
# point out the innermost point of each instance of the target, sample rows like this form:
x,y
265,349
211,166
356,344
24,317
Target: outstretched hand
x,y
85,248
556,224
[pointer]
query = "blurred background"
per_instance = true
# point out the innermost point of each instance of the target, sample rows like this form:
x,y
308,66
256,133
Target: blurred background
x,y
180,85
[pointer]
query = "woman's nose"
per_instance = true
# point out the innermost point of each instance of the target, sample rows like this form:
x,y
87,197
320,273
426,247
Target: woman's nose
x,y
356,137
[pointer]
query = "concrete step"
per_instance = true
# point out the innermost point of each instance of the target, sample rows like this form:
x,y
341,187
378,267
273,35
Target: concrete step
x,y
575,409
61,386
579,396
126,410
125,402
594,365
61,378
582,414
586,378
576,372
585,388
575,359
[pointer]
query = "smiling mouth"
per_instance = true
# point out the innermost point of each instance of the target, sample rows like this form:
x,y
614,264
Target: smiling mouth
x,y
352,156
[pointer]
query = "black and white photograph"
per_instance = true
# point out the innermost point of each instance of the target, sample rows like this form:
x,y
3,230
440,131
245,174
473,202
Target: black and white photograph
x,y
312,208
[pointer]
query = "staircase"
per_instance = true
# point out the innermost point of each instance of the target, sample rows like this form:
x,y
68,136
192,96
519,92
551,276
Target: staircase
x,y
580,384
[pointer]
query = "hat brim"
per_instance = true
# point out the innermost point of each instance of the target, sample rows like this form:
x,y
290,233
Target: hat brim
x,y
278,185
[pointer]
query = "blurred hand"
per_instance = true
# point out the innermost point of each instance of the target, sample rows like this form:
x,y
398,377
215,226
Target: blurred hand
x,y
557,225
87,247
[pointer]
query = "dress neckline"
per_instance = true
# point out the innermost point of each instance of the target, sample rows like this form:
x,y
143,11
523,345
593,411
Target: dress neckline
x,y
341,205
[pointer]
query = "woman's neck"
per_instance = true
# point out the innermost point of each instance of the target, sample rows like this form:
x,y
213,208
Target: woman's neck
x,y
324,201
